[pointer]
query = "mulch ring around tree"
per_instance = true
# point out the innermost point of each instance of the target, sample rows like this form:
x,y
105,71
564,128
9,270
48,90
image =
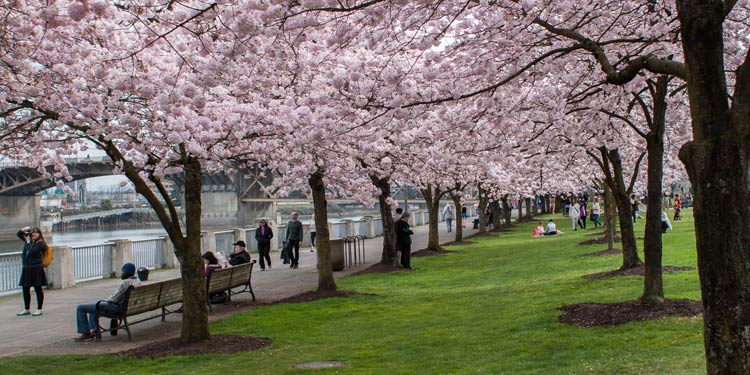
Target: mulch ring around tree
x,y
603,252
216,344
634,271
464,242
430,253
315,295
596,241
589,314
378,268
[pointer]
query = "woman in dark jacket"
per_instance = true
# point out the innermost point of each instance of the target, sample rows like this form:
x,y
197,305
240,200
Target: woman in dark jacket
x,y
32,273
403,240
263,235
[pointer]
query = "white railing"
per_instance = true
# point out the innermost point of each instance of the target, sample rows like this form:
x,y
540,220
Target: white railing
x,y
92,262
280,236
378,224
338,230
10,271
360,227
252,245
224,241
149,253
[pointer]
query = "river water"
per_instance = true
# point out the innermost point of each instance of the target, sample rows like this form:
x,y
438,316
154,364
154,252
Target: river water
x,y
98,237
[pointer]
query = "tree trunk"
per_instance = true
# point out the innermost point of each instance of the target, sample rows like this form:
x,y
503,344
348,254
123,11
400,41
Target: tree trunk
x,y
610,217
495,207
717,164
432,200
482,209
456,197
326,281
194,309
389,227
630,257
506,210
529,203
520,210
653,288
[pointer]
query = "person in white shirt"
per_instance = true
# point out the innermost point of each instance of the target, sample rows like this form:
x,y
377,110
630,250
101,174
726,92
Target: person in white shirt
x,y
595,211
552,229
575,214
665,224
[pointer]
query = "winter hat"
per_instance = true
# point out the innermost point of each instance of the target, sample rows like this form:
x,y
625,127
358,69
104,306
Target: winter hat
x,y
240,243
128,268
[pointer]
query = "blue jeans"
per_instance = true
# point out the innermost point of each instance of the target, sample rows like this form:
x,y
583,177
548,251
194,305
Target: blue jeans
x,y
86,315
449,223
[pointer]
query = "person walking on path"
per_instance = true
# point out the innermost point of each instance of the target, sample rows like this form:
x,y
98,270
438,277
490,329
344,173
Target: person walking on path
x,y
294,234
313,233
32,271
574,212
595,210
403,240
263,236
634,206
582,212
448,214
86,312
240,254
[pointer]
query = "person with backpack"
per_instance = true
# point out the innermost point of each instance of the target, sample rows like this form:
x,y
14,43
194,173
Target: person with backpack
x,y
32,273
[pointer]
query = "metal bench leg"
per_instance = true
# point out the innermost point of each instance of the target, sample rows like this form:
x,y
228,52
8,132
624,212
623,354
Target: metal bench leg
x,y
127,328
250,287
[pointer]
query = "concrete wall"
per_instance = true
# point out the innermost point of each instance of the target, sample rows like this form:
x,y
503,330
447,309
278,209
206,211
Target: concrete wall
x,y
17,212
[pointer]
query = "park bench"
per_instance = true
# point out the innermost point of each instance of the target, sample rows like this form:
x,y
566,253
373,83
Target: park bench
x,y
143,299
226,279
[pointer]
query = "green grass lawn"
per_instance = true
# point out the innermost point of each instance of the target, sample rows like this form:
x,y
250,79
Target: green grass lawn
x,y
488,308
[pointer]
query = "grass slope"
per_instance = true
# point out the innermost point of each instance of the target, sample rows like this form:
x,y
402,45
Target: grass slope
x,y
489,308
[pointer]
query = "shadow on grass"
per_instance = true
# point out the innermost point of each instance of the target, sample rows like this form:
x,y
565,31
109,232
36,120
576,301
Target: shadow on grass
x,y
634,271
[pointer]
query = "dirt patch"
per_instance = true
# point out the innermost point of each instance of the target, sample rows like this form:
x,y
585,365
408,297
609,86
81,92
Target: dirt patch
x,y
597,234
216,344
634,271
504,229
603,252
430,253
378,268
589,314
464,242
594,241
484,234
315,295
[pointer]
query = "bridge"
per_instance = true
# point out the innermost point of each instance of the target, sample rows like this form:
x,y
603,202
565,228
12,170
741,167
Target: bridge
x,y
228,200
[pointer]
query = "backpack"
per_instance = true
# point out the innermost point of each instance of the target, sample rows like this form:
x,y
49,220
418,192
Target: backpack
x,y
47,257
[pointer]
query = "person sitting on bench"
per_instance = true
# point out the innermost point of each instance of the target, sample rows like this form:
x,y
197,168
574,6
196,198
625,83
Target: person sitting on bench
x,y
86,312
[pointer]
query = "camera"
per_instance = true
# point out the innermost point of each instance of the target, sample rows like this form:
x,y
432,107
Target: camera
x,y
27,233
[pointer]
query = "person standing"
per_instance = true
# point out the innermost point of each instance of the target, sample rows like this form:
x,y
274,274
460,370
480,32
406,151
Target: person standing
x,y
595,210
263,236
634,206
294,234
574,212
677,208
313,233
582,217
32,271
448,214
403,240
396,219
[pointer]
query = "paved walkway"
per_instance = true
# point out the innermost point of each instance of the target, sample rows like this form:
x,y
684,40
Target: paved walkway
x,y
53,332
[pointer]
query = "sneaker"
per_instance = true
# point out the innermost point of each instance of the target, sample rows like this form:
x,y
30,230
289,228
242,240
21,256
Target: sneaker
x,y
37,313
97,335
24,312
262,269
84,337
296,266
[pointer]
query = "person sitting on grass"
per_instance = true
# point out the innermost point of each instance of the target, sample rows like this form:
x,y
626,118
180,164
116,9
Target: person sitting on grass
x,y
552,229
665,224
538,231
86,312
